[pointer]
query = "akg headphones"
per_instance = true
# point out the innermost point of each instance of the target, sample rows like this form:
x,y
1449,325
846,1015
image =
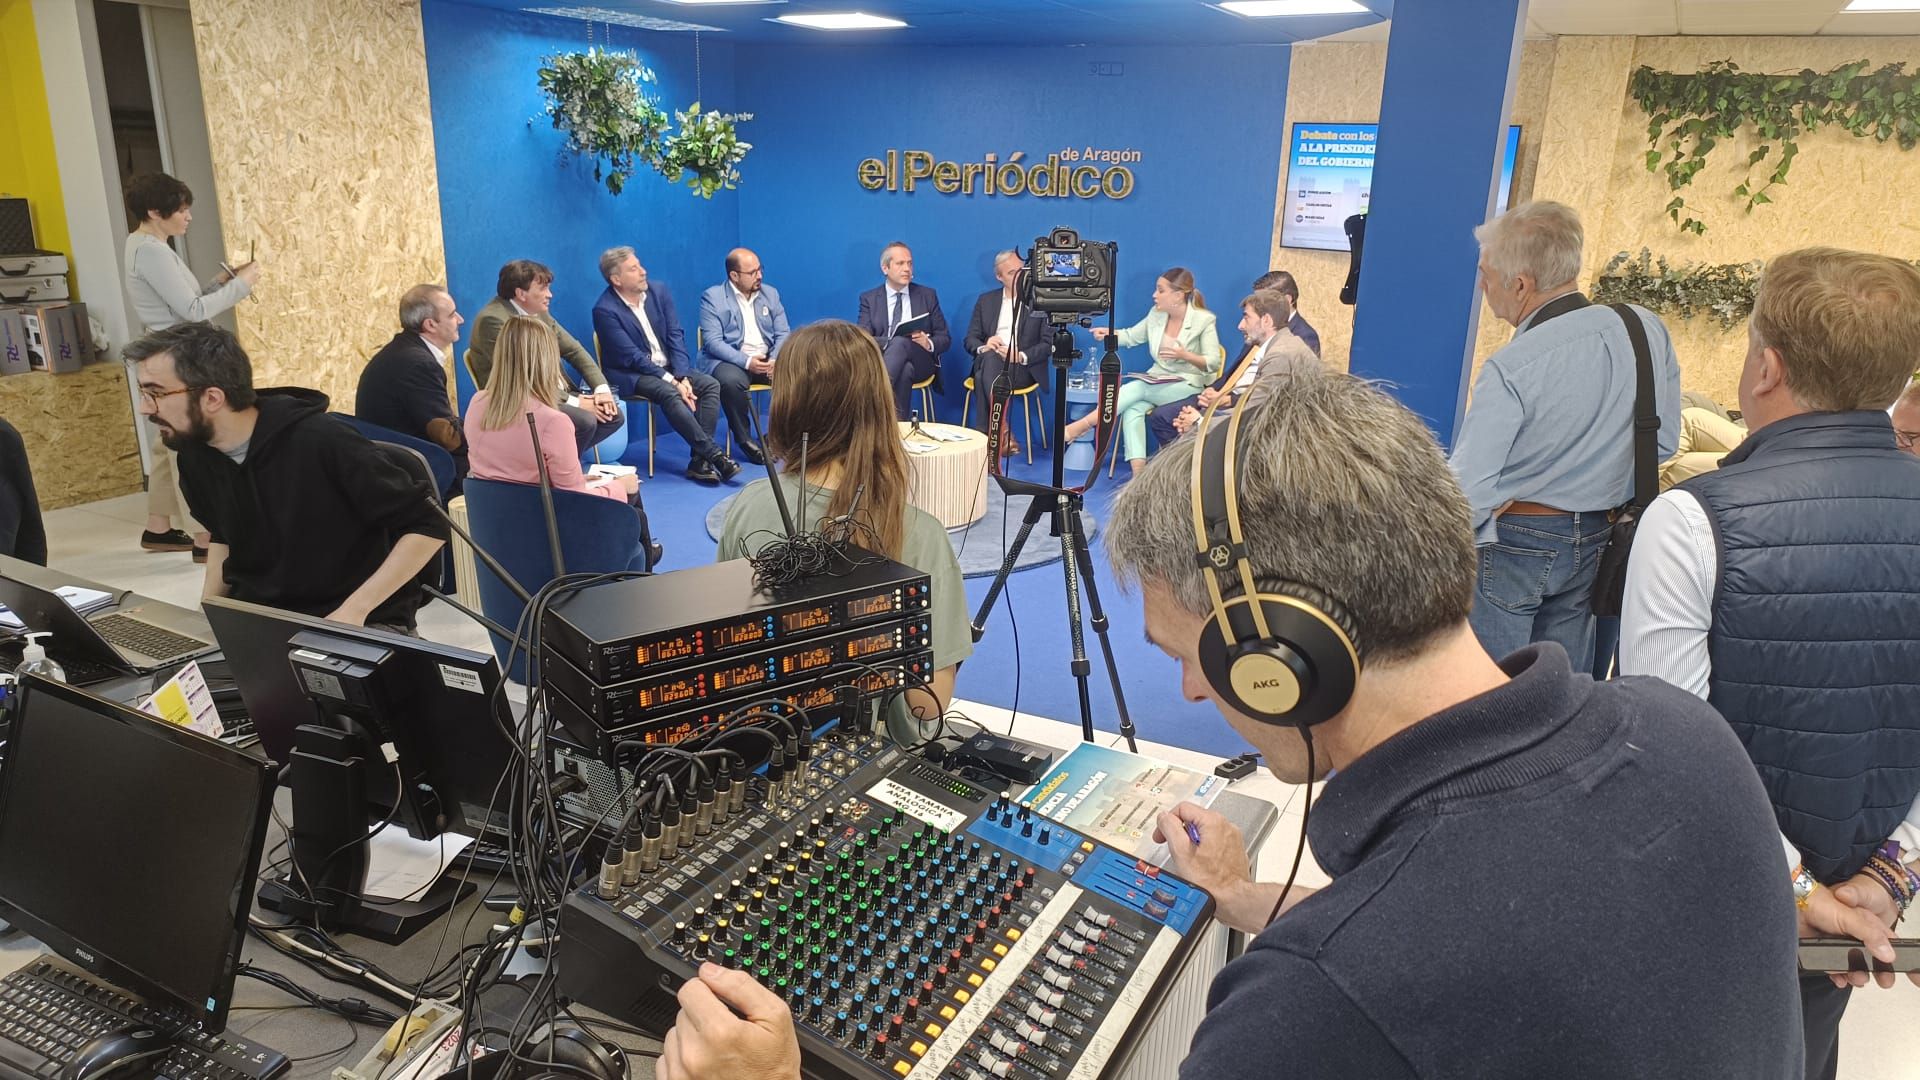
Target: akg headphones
x,y
1286,656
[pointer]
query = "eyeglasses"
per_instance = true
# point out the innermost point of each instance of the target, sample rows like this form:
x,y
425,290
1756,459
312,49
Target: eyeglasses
x,y
152,397
1905,439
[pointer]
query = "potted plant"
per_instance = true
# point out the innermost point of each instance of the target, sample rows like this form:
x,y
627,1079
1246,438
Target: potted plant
x,y
599,100
705,148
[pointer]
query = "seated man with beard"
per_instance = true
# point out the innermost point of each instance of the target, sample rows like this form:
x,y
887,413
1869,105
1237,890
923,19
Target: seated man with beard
x,y
305,513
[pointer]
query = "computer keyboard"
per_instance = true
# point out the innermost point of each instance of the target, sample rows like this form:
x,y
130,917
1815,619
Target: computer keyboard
x,y
49,1014
146,639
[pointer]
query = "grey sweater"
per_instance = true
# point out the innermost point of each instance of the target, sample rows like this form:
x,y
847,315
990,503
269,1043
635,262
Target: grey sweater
x,y
163,289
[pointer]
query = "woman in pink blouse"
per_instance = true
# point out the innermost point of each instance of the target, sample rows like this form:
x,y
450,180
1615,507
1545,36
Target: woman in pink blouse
x,y
526,379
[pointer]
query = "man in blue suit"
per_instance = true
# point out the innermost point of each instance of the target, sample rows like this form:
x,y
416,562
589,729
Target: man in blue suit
x,y
741,327
911,357
644,354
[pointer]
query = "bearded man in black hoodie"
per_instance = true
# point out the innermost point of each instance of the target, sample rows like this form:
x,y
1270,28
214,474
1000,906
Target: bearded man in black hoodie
x,y
305,513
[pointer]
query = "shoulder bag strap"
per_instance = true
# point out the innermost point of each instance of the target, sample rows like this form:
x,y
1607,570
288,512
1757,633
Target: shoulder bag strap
x,y
1646,422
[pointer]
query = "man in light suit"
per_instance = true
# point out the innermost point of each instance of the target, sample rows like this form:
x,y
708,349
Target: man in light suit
x,y
525,287
909,359
997,346
404,386
741,327
646,356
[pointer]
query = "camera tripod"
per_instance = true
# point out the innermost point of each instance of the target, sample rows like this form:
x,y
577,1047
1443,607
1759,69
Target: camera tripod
x,y
1065,508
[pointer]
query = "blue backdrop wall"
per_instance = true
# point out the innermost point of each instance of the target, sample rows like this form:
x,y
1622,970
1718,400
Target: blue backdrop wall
x,y
1205,122
503,193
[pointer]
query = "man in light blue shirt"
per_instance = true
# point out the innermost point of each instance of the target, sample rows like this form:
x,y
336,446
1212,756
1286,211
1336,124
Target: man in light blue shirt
x,y
1546,450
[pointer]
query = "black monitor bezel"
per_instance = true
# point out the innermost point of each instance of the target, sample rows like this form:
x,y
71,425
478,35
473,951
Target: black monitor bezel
x,y
212,1010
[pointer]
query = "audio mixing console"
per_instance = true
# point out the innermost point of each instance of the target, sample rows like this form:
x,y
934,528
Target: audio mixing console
x,y
917,925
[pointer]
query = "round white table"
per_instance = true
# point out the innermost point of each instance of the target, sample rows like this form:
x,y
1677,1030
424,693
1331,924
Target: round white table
x,y
947,467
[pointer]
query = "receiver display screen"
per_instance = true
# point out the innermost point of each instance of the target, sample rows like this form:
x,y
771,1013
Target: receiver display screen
x,y
678,648
871,605
818,656
872,644
806,619
740,633
672,693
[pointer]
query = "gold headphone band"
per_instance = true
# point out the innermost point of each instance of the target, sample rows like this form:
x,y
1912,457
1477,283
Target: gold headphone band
x,y
1231,477
1201,542
1301,605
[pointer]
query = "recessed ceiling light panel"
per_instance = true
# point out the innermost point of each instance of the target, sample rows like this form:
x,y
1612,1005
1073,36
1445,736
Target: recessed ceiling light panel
x,y
841,20
1266,9
1883,5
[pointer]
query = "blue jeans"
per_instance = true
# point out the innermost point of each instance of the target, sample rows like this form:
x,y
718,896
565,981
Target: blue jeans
x,y
1534,582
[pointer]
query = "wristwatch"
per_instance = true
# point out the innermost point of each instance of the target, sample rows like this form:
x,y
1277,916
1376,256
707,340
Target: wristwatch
x,y
1803,886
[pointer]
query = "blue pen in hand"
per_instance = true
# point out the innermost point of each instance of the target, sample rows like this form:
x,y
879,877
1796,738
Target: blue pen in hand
x,y
1193,833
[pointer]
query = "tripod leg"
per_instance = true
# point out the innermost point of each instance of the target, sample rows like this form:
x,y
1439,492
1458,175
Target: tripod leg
x,y
1098,617
1069,520
1034,509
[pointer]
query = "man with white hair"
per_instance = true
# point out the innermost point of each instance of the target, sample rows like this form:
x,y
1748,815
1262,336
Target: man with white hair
x,y
1545,453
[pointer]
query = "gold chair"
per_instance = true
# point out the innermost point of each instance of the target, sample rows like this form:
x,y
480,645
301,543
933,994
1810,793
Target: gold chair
x,y
1025,394
925,387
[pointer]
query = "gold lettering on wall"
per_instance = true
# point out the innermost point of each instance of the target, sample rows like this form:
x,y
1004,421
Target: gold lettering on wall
x,y
1064,174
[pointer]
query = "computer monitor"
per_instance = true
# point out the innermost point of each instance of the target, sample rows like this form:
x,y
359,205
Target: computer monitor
x,y
129,845
435,704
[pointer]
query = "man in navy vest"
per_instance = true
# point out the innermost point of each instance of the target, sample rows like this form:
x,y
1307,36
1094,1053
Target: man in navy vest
x,y
1782,587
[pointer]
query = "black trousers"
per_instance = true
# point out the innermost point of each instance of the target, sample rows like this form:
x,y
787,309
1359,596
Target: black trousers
x,y
907,364
1821,1006
735,401
694,427
589,430
987,367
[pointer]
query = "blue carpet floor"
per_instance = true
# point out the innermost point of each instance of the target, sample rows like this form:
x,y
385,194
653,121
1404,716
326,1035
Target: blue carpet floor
x,y
1023,661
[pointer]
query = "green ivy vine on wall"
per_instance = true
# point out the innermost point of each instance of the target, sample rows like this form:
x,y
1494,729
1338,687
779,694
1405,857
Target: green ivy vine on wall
x,y
1690,115
600,100
1723,292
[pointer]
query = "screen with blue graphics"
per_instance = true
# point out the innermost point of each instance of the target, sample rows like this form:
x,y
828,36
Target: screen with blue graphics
x,y
1330,178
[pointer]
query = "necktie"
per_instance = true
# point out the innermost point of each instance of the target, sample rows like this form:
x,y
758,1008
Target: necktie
x,y
895,320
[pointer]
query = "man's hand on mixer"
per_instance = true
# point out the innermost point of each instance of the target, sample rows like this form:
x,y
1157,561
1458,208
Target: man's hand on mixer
x,y
729,1028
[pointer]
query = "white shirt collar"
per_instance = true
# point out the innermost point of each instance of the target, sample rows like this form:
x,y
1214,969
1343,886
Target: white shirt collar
x,y
439,354
741,297
515,305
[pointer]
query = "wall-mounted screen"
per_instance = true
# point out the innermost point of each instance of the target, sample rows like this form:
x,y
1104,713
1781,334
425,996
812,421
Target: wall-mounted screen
x,y
1330,179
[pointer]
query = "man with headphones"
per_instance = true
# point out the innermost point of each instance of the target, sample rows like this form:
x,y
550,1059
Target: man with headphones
x,y
1533,874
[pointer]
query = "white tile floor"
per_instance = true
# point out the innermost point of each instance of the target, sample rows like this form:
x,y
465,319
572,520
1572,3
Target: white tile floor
x,y
100,540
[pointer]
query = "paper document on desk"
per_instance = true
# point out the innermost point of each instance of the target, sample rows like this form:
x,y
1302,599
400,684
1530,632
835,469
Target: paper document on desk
x,y
84,601
185,700
402,868
1152,378
1115,796
919,446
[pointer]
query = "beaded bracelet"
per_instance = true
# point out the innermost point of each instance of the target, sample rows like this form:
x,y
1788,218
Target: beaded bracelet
x,y
1896,879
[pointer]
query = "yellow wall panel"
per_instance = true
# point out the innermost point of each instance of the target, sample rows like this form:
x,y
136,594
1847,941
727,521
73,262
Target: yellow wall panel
x,y
323,152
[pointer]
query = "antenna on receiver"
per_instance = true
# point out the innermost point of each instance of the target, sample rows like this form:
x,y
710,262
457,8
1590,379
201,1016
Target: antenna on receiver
x,y
779,496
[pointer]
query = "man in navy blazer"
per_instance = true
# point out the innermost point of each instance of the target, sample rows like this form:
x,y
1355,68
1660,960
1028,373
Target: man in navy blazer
x,y
909,358
644,354
741,327
404,385
998,347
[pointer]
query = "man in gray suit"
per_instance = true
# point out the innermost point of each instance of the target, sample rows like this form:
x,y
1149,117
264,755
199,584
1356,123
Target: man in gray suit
x,y
741,327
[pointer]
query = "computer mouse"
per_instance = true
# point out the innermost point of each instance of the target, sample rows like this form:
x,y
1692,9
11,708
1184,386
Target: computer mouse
x,y
116,1050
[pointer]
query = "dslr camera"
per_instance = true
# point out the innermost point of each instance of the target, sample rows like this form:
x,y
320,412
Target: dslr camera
x,y
1068,277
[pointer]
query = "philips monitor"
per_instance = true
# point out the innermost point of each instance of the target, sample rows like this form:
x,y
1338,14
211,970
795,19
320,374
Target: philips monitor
x,y
129,846
430,708
1330,179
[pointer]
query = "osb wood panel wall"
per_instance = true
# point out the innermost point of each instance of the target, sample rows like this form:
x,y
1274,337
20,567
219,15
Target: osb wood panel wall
x,y
1340,82
323,154
1843,191
79,441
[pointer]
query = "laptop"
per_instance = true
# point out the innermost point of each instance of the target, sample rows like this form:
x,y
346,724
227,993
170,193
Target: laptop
x,y
140,638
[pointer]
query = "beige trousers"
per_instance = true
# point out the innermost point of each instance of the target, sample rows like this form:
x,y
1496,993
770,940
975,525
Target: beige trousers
x,y
1705,437
163,489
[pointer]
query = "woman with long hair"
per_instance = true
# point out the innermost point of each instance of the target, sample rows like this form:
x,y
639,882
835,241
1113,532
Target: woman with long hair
x,y
526,379
1186,357
833,393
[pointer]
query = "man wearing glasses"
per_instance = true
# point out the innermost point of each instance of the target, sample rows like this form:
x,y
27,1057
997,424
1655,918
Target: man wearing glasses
x,y
304,513
742,324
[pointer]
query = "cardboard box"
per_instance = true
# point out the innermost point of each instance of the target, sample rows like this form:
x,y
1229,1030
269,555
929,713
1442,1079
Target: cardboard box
x,y
62,339
15,348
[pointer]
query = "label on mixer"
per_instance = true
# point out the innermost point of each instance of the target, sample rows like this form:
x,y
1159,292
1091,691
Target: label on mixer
x,y
962,1026
1132,997
908,801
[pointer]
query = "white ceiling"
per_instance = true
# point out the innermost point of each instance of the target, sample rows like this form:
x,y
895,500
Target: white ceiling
x,y
1661,18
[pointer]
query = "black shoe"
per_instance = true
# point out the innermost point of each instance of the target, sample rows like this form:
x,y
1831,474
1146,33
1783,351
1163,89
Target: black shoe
x,y
702,472
752,452
654,554
171,540
200,554
726,467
